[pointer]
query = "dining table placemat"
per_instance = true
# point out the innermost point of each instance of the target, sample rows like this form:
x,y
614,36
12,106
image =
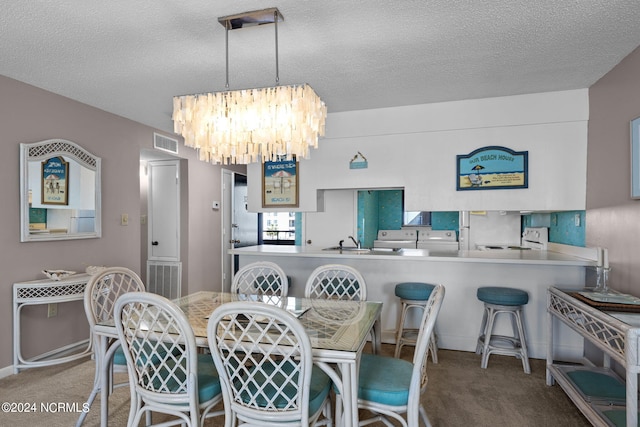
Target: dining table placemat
x,y
606,305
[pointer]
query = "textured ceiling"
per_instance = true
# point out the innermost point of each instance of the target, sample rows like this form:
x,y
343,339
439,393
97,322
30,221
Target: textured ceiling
x,y
131,57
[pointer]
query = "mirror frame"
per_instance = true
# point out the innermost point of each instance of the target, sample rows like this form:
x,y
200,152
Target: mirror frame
x,y
39,151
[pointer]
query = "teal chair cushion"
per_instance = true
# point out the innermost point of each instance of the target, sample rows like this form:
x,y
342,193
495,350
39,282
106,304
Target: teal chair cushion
x,y
415,291
384,379
208,380
320,386
618,417
338,286
267,282
502,296
119,358
598,385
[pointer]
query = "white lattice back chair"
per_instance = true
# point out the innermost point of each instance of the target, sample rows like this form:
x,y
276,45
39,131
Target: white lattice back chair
x,y
391,387
261,278
264,359
166,373
100,295
336,281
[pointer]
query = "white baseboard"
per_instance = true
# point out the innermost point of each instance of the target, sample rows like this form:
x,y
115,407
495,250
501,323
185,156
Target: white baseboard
x,y
6,371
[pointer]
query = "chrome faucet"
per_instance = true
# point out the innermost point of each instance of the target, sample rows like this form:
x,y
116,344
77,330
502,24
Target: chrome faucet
x,y
356,242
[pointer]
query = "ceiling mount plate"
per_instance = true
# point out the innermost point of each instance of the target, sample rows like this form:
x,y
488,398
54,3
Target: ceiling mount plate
x,y
250,19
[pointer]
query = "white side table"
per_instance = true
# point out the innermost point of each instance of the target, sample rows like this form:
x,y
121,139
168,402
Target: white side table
x,y
45,291
619,340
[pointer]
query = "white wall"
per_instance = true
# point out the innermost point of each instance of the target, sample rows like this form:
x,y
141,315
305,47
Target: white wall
x,y
335,223
415,147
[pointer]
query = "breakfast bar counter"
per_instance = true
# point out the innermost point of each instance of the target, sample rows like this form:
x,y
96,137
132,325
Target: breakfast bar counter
x,y
480,256
460,272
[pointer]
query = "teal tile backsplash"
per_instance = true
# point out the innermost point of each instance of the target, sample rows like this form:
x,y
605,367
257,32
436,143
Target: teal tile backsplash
x,y
563,226
383,210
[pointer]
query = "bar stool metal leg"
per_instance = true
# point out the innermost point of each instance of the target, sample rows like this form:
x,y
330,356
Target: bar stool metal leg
x,y
507,302
413,295
409,335
490,343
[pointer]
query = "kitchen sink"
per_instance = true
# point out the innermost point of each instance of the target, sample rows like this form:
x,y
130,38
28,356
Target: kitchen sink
x,y
380,251
347,249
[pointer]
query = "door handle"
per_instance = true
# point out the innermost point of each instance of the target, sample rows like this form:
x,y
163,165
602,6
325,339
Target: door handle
x,y
309,242
154,243
234,241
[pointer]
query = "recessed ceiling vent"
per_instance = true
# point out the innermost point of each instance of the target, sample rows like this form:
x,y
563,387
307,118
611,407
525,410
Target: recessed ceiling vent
x,y
164,143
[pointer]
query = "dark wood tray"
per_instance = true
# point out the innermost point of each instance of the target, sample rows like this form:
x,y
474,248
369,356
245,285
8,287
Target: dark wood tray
x,y
606,306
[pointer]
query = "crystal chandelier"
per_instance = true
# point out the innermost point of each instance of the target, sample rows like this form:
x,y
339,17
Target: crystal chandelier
x,y
251,125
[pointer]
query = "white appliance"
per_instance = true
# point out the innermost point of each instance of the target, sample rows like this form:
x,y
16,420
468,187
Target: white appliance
x,y
532,238
438,240
495,228
82,221
535,238
405,238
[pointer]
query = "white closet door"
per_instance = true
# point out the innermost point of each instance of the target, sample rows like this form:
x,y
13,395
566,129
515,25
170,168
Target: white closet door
x,y
164,210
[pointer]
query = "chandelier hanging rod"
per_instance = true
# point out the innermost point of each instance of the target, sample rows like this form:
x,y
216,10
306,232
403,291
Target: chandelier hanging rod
x,y
249,19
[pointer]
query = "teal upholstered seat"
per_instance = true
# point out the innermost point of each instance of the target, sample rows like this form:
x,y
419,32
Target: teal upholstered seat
x,y
100,294
208,380
270,282
502,296
265,360
415,291
502,300
618,416
393,388
598,385
165,368
413,295
320,387
390,386
118,357
261,278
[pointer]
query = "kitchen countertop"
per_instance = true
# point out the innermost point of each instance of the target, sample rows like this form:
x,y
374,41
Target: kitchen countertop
x,y
461,272
478,256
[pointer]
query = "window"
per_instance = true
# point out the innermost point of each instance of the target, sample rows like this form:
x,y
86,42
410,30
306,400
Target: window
x,y
417,218
279,228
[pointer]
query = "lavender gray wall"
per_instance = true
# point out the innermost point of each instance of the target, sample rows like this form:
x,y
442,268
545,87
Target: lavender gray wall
x,y
29,114
613,218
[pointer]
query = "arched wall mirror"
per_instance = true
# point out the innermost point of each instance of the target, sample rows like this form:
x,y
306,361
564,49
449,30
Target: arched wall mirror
x,y
59,192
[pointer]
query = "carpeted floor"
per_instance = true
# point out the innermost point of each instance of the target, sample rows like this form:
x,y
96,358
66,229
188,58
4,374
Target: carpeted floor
x,y
459,393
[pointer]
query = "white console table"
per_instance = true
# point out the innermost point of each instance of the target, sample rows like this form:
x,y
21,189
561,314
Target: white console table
x,y
45,291
615,333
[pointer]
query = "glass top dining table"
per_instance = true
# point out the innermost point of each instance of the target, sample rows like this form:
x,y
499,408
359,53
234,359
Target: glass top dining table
x,y
334,325
337,329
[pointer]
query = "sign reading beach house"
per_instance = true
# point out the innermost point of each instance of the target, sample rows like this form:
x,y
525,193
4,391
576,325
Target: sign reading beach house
x,y
492,168
55,190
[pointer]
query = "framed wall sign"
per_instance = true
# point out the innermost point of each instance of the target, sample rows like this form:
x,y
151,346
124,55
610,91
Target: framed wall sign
x,y
55,185
492,168
635,158
280,184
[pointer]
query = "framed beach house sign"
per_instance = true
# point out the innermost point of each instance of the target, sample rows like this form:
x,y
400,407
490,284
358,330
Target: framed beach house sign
x,y
492,168
55,185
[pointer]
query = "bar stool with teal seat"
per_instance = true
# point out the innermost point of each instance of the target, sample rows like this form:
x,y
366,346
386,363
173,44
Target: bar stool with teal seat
x,y
501,300
413,295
